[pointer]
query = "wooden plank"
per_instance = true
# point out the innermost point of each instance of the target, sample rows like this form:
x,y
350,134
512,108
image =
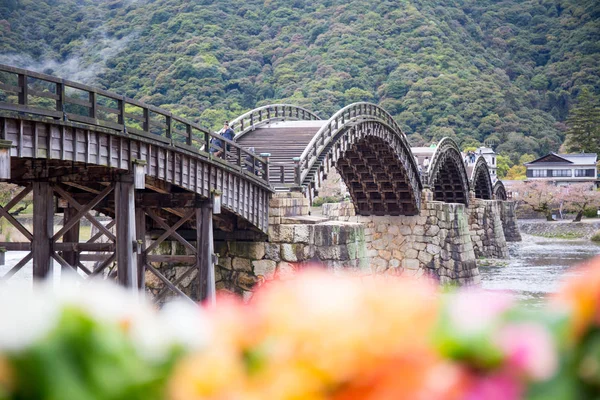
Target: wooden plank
x,y
16,246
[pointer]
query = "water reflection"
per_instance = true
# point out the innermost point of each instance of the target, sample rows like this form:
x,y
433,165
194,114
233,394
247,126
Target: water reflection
x,y
536,266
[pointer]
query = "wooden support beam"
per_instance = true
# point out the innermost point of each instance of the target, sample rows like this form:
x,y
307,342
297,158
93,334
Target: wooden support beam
x,y
125,237
140,234
43,221
71,256
204,253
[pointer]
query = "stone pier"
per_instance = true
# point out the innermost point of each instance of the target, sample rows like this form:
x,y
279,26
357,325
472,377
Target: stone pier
x,y
436,243
487,232
442,243
508,215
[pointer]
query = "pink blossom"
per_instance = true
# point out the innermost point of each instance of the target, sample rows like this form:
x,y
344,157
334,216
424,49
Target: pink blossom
x,y
529,349
499,386
473,311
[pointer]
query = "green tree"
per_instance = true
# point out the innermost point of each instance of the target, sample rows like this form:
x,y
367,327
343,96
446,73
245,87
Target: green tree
x,y
503,164
583,133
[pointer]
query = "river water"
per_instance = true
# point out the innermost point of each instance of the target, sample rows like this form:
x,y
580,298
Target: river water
x,y
536,266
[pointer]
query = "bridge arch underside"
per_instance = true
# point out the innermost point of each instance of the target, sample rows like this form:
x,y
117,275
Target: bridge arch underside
x,y
482,182
448,181
377,179
500,191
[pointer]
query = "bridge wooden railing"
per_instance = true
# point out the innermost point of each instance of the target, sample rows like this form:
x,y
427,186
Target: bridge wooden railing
x,y
352,112
271,112
33,93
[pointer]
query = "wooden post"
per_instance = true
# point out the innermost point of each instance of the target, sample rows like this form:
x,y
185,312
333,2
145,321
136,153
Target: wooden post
x,y
43,221
140,233
125,221
266,172
297,170
204,254
71,236
5,146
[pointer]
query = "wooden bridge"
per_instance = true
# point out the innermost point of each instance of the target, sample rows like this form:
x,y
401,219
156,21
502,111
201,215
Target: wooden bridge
x,y
80,149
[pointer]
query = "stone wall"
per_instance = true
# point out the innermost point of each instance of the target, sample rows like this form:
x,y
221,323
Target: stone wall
x,y
292,245
435,243
508,216
487,232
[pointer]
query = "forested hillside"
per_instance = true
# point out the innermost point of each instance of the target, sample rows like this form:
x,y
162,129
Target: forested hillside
x,y
501,72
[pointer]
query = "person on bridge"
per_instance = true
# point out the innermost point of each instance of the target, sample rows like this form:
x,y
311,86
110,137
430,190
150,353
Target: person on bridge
x,y
218,145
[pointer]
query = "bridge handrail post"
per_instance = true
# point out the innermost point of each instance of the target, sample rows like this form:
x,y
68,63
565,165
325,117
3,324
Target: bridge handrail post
x,y
207,142
60,92
146,121
93,99
169,126
297,172
121,116
188,131
266,174
239,160
23,94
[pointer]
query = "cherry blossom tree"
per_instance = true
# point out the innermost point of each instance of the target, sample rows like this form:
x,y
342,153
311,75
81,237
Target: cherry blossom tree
x,y
578,197
539,196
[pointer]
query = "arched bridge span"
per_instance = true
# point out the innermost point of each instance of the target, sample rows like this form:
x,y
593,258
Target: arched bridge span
x,y
500,191
446,174
481,180
362,140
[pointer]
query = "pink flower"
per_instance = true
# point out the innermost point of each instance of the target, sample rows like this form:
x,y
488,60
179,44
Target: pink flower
x,y
529,349
474,311
499,386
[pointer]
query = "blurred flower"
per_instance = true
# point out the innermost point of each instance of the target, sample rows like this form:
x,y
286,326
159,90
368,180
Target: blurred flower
x,y
472,311
529,349
179,324
495,386
580,295
415,376
25,317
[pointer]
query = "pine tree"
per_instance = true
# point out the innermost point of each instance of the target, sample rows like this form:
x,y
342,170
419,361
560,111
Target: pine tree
x,y
583,134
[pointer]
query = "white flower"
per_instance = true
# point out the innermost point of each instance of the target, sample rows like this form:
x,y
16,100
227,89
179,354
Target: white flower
x,y
178,324
103,301
26,316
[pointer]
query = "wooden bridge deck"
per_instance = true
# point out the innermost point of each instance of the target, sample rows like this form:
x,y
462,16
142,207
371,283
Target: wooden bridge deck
x,y
284,140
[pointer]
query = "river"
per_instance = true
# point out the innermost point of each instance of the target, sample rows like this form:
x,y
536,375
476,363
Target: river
x,y
536,266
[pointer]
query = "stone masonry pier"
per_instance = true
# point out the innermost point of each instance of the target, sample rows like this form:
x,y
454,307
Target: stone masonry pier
x,y
436,243
441,243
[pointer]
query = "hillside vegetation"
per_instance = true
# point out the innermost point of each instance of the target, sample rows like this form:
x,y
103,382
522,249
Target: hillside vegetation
x,y
505,73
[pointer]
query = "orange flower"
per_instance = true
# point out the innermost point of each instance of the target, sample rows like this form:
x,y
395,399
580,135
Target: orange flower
x,y
581,295
415,376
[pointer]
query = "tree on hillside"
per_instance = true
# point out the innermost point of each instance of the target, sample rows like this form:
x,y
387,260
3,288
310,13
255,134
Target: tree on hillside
x,y
503,164
516,173
539,196
583,133
579,197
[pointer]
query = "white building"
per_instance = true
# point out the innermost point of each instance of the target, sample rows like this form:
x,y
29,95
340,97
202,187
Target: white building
x,y
564,168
